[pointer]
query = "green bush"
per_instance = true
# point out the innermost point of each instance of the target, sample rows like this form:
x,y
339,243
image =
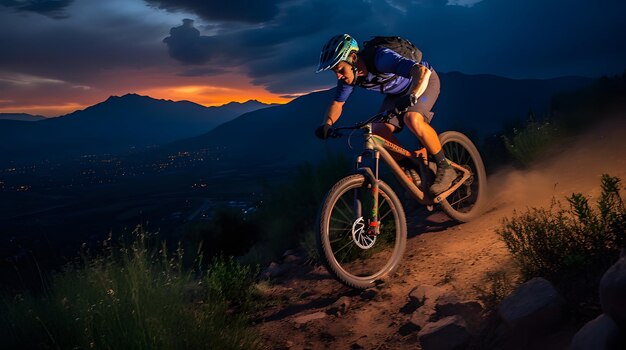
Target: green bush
x,y
528,143
578,242
134,297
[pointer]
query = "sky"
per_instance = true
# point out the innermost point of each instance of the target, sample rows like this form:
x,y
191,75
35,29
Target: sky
x,y
57,56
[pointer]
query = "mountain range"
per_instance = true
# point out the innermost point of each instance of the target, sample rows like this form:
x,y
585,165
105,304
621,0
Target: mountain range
x,y
478,105
116,125
21,116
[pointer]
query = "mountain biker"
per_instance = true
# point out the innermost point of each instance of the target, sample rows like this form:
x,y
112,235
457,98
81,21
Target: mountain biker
x,y
411,89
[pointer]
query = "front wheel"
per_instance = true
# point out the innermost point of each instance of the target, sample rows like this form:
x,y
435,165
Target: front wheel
x,y
354,256
467,201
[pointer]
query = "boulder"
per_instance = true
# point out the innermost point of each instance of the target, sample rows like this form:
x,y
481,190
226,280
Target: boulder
x,y
446,334
470,311
599,334
422,316
613,293
534,307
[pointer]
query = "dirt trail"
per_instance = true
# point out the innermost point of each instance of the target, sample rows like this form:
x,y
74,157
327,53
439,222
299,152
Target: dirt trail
x,y
454,257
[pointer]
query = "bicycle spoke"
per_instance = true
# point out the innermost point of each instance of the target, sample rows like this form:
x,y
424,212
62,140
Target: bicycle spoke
x,y
344,246
345,222
385,215
349,208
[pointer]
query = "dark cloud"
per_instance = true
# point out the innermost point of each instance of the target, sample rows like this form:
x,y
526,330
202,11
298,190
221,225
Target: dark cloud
x,y
249,11
276,44
82,49
50,8
203,71
280,54
187,45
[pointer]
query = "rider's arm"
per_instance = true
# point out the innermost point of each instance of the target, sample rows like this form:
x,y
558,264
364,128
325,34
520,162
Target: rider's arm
x,y
334,111
388,61
342,93
420,75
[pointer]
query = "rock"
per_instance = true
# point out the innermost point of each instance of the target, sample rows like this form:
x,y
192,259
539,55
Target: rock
x,y
339,307
273,270
470,311
310,317
445,334
534,306
599,334
292,259
408,328
410,307
423,316
613,293
424,293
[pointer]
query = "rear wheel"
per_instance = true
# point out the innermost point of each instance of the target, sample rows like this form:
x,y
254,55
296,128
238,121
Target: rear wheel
x,y
466,202
355,257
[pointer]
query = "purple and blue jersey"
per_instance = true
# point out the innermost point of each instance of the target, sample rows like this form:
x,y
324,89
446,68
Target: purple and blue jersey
x,y
394,79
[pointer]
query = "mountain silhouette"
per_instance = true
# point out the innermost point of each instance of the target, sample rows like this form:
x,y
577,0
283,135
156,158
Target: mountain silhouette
x,y
115,125
479,105
21,116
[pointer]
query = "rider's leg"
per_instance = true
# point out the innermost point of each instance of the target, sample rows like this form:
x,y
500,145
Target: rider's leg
x,y
385,130
428,136
424,132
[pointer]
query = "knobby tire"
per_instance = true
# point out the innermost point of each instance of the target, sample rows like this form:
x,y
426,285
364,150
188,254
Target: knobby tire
x,y
362,268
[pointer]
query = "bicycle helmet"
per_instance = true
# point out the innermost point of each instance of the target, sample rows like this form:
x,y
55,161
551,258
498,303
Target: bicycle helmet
x,y
337,49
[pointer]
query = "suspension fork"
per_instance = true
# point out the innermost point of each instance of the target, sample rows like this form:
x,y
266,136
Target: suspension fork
x,y
366,198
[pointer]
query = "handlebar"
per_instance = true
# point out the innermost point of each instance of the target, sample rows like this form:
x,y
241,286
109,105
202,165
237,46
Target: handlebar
x,y
380,117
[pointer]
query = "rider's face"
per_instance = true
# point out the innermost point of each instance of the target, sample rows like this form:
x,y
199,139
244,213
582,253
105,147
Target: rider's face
x,y
344,72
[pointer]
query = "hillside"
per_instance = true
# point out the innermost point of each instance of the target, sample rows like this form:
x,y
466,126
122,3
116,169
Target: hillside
x,y
479,105
21,116
453,257
116,125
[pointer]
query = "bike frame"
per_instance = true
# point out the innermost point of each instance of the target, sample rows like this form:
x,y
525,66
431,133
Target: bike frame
x,y
376,148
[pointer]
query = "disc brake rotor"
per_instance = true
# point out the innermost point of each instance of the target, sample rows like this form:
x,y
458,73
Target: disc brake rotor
x,y
360,236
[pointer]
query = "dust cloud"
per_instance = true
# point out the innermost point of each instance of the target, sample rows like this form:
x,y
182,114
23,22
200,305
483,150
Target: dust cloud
x,y
576,166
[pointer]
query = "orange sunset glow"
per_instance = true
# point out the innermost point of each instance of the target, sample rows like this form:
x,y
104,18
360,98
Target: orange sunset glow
x,y
205,95
213,95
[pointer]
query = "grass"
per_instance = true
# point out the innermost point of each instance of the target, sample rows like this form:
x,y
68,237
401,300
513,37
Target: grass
x,y
135,297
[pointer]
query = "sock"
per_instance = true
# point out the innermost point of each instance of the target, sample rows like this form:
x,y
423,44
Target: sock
x,y
440,159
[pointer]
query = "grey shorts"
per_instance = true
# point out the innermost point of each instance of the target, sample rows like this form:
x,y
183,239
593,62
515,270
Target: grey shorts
x,y
423,106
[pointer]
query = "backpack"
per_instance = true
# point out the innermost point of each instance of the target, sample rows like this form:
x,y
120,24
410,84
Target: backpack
x,y
400,45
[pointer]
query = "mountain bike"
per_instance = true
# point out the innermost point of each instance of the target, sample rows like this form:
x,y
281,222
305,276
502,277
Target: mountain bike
x,y
362,230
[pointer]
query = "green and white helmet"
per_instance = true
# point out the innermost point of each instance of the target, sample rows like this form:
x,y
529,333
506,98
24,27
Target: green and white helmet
x,y
337,49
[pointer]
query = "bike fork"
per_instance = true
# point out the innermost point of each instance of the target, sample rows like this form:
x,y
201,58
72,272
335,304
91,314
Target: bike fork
x,y
366,199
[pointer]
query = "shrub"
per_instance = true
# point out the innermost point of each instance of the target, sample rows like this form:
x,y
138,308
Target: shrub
x,y
574,243
532,140
134,297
